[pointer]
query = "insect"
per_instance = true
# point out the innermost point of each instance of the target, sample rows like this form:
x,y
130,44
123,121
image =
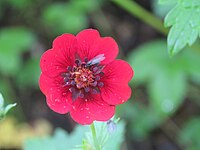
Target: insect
x,y
96,60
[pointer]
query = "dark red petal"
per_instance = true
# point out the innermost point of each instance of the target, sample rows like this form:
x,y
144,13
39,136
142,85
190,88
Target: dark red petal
x,y
44,83
55,61
89,44
50,65
94,108
106,46
63,45
58,100
117,74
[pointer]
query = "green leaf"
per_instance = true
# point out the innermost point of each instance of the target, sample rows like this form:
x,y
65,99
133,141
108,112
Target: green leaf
x,y
19,3
61,140
165,77
143,120
9,107
64,18
152,56
189,135
86,5
167,1
13,41
4,110
105,139
165,80
185,25
167,91
1,102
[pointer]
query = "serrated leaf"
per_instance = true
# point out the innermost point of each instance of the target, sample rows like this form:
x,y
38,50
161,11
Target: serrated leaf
x,y
105,139
60,140
73,140
185,25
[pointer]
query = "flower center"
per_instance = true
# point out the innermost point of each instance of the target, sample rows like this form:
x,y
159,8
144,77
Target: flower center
x,y
84,77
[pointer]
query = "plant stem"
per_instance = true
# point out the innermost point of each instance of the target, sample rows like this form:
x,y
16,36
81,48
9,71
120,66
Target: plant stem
x,y
142,14
92,127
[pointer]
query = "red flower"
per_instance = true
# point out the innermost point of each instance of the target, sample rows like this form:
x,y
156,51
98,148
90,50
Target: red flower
x,y
80,75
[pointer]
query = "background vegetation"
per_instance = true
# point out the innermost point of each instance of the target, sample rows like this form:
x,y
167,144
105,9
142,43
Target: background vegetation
x,y
164,110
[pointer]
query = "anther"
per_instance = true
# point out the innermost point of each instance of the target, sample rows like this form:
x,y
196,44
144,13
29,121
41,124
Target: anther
x,y
73,82
97,78
81,95
101,84
87,89
101,73
78,62
95,69
86,60
69,68
66,79
94,83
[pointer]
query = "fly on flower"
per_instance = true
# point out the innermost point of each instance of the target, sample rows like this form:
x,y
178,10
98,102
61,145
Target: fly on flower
x,y
81,76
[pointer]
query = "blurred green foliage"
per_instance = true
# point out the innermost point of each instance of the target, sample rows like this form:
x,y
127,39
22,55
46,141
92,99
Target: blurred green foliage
x,y
71,16
13,42
160,85
81,134
166,80
189,135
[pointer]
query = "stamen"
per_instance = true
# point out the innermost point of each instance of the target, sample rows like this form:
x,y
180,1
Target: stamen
x,y
101,73
66,79
94,91
95,69
69,68
73,82
81,95
86,60
101,84
94,83
78,62
84,77
87,89
97,78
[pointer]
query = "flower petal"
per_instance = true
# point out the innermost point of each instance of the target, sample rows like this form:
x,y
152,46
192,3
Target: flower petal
x,y
58,98
94,108
55,61
63,45
117,74
89,44
106,46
